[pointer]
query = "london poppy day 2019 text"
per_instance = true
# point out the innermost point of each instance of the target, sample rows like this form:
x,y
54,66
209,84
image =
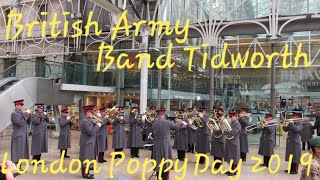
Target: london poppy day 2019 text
x,y
156,27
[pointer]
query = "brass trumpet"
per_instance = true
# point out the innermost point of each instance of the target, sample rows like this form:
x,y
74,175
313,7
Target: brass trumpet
x,y
198,122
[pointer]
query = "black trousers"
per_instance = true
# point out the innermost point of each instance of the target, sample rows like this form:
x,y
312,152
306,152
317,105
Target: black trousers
x,y
243,156
101,156
217,165
83,171
294,167
304,145
65,153
118,150
164,176
190,148
134,151
266,160
181,154
37,157
202,159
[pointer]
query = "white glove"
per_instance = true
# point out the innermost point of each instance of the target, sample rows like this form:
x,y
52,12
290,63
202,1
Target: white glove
x,y
184,123
99,115
68,118
28,111
45,113
144,117
201,115
99,124
150,136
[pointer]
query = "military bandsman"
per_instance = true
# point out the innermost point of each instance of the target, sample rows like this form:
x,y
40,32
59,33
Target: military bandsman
x,y
135,133
232,148
293,145
267,140
192,133
119,141
161,141
88,130
64,137
102,140
19,140
203,136
181,139
217,145
244,120
39,133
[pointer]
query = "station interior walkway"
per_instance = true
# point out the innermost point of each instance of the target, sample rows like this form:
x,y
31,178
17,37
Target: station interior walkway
x,y
121,173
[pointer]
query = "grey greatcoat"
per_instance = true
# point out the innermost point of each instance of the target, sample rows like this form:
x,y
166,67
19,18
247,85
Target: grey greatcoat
x,y
293,145
19,140
217,144
39,134
135,132
267,141
102,137
244,144
307,132
161,142
119,139
232,148
64,136
181,138
192,135
203,138
87,139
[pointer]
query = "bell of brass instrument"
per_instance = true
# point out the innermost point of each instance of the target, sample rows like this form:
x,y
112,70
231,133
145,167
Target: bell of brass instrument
x,y
198,122
151,117
191,122
225,126
212,124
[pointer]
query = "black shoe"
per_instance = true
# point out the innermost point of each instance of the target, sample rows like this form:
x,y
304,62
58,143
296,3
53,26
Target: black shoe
x,y
100,161
202,162
132,156
137,156
15,174
293,172
104,160
263,165
231,174
244,159
88,176
286,171
66,156
303,149
181,159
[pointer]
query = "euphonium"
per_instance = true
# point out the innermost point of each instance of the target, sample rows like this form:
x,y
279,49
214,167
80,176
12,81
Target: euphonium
x,y
191,122
198,122
212,124
150,116
225,126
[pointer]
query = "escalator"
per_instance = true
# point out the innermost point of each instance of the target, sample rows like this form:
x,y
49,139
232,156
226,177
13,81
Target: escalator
x,y
33,90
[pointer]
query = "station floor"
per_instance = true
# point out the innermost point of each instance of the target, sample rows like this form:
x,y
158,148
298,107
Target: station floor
x,y
121,173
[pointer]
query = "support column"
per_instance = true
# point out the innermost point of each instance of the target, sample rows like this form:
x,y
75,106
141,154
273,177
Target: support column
x,y
144,71
273,83
159,88
212,98
84,60
118,87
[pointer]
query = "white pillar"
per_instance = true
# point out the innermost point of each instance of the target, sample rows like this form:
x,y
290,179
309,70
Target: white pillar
x,y
144,72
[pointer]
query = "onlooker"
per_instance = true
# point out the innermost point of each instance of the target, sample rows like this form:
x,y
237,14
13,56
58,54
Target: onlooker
x,y
317,124
9,175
